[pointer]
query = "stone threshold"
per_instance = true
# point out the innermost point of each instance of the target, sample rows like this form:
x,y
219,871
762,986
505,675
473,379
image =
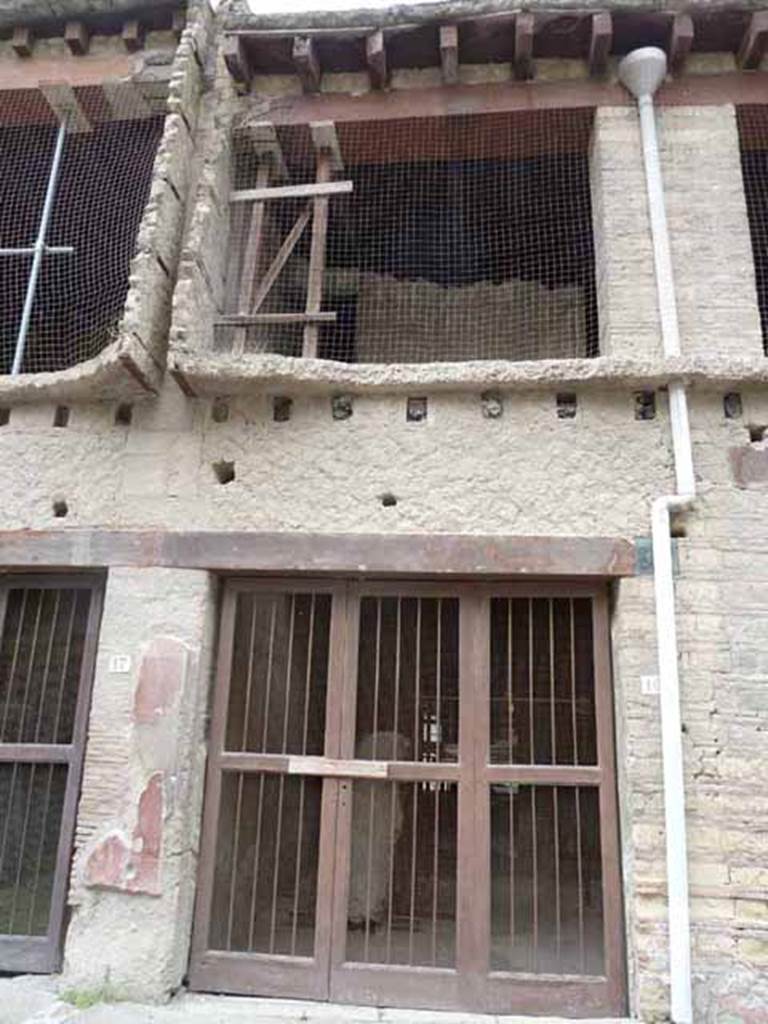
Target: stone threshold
x,y
41,1000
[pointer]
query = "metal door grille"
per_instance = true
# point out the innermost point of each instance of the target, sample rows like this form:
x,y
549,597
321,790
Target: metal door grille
x,y
411,799
47,644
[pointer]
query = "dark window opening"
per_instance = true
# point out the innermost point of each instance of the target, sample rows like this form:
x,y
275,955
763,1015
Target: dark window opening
x,y
463,238
753,138
102,189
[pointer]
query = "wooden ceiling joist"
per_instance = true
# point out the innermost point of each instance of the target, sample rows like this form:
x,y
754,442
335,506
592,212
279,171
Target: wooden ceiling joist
x,y
326,141
754,43
524,26
77,37
236,61
22,41
376,57
261,137
449,53
306,63
132,35
680,41
65,105
600,42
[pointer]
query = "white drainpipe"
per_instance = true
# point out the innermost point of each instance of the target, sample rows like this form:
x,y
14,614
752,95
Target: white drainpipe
x,y
642,71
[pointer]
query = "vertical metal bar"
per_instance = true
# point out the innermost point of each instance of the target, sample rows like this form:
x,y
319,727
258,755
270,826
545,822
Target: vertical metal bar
x,y
249,678
308,677
276,864
391,880
368,870
30,667
40,848
14,662
531,735
37,259
288,673
64,666
574,722
552,713
7,823
235,854
398,644
377,681
438,677
436,791
268,687
556,831
22,845
580,878
417,682
303,783
412,901
510,702
47,669
256,861
535,856
511,875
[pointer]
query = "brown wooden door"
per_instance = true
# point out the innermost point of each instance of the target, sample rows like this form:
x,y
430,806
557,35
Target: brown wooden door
x,y
48,633
462,851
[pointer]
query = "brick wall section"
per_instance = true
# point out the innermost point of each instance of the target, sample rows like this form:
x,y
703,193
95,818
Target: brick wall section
x,y
134,869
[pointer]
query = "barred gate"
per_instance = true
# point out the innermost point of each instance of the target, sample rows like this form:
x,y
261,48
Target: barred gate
x,y
48,635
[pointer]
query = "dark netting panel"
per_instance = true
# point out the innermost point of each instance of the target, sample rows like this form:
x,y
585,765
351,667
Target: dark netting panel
x,y
100,195
466,237
753,137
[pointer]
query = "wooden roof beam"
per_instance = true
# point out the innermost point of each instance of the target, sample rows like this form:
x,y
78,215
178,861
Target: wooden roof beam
x,y
236,61
133,35
22,41
77,37
326,141
754,43
524,26
306,63
680,41
600,42
65,105
449,53
376,57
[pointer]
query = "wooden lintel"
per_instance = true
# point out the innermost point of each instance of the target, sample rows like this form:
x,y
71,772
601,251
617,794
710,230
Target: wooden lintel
x,y
65,105
524,26
306,63
77,37
261,137
754,43
253,319
125,100
340,554
600,42
310,190
680,41
22,41
376,57
236,61
325,140
132,35
449,53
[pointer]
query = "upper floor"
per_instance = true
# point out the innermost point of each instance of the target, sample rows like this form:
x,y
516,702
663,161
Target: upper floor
x,y
249,201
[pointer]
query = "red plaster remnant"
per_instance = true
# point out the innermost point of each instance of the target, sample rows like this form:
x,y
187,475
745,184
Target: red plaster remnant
x,y
749,465
161,675
114,865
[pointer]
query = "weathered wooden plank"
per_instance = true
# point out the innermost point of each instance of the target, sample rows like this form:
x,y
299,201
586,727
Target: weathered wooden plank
x,y
236,61
449,53
524,26
380,554
252,253
309,190
306,63
600,42
317,257
77,37
281,258
246,319
66,107
680,41
325,140
754,43
376,57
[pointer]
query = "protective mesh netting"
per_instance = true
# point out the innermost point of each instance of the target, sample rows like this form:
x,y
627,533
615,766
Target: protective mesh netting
x,y
753,138
102,189
465,237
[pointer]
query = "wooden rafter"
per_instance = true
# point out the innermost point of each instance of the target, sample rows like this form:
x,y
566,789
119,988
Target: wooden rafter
x,y
236,60
754,43
133,35
22,41
308,191
65,105
524,26
376,58
680,41
77,37
600,42
325,140
449,53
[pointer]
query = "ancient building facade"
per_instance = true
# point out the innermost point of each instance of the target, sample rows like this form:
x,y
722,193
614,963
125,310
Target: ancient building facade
x,y
329,660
